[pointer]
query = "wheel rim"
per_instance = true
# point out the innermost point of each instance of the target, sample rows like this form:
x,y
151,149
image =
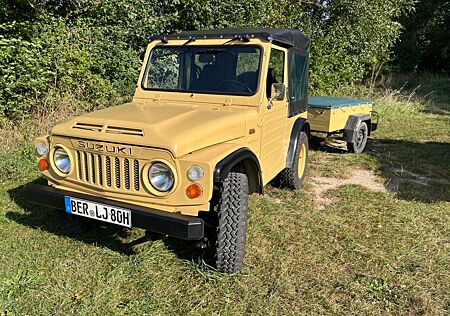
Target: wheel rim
x,y
302,161
360,137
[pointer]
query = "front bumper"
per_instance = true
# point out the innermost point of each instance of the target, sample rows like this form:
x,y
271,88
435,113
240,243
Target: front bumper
x,y
176,225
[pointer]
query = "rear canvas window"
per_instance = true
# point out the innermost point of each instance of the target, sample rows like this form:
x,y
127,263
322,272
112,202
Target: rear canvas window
x,y
298,82
299,77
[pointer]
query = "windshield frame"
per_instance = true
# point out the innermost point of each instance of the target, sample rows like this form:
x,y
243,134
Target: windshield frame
x,y
206,46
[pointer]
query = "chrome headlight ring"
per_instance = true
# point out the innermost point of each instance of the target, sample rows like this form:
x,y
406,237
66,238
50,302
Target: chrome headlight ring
x,y
161,177
61,160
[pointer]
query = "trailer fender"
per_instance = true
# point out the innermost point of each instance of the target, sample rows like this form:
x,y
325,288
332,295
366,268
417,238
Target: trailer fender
x,y
352,125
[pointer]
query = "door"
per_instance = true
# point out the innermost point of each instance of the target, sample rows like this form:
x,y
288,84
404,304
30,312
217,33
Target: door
x,y
274,116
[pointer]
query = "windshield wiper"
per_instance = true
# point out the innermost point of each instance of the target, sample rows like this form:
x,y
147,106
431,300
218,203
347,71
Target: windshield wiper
x,y
183,47
243,38
190,40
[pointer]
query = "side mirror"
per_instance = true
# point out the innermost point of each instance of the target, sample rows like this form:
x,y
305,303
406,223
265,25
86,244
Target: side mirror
x,y
278,91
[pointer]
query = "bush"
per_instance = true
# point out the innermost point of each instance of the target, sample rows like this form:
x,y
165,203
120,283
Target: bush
x,y
24,76
425,42
91,49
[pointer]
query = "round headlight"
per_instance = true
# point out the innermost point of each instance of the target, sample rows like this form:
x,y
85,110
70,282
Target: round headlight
x,y
161,177
195,173
62,160
42,149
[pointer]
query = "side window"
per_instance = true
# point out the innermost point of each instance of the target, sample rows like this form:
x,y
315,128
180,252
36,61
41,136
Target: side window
x,y
275,72
298,82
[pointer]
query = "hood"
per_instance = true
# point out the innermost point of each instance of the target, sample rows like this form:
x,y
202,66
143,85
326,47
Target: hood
x,y
179,128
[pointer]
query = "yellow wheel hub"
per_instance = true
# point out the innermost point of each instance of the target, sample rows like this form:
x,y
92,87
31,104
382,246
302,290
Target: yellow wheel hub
x,y
302,161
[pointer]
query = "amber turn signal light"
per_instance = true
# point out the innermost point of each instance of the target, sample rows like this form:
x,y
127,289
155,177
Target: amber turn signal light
x,y
194,191
43,164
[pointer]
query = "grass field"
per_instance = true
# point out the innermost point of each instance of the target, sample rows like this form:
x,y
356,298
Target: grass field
x,y
343,245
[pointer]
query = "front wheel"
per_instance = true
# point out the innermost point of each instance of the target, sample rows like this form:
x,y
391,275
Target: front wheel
x,y
361,139
293,177
231,226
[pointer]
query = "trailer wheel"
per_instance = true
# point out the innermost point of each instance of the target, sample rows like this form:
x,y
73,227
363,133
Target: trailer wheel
x,y
360,141
293,178
231,226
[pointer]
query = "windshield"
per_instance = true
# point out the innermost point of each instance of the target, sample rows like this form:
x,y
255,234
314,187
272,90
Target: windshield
x,y
204,69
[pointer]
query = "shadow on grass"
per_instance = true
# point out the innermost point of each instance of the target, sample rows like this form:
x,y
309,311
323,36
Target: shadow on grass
x,y
332,145
192,251
91,232
413,170
59,223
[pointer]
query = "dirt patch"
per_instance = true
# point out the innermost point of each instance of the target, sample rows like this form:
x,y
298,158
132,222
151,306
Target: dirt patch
x,y
365,178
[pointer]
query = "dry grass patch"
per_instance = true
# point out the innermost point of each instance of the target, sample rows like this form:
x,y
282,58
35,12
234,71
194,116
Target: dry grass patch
x,y
55,108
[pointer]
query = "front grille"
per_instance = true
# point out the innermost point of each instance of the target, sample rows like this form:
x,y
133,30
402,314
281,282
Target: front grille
x,y
136,175
109,172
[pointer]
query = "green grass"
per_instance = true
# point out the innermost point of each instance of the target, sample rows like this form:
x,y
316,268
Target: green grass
x,y
368,253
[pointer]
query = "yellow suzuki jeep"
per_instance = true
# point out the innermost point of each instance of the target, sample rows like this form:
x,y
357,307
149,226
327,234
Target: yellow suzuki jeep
x,y
216,115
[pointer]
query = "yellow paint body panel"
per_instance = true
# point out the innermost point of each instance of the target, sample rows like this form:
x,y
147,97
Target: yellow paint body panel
x,y
332,120
180,129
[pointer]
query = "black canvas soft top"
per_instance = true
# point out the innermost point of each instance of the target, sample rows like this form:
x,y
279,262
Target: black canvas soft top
x,y
283,37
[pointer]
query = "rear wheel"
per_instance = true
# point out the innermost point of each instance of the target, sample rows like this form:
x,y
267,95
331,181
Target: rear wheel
x,y
231,226
294,176
361,139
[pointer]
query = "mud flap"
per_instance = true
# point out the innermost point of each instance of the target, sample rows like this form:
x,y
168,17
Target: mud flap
x,y
373,126
352,125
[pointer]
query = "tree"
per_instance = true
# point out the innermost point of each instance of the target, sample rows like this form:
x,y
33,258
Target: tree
x,y
425,42
90,49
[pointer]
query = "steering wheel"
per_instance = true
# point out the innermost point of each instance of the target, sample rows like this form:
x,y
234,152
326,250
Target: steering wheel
x,y
243,85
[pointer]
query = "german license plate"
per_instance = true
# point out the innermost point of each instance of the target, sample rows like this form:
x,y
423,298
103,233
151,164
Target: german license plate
x,y
98,211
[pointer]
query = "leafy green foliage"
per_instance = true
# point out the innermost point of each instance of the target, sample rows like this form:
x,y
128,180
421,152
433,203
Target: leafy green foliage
x,y
17,162
425,42
91,49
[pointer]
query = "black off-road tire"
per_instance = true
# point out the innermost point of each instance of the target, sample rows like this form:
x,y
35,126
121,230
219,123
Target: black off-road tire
x,y
358,146
231,227
289,177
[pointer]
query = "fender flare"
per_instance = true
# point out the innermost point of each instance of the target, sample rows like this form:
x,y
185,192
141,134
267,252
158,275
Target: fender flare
x,y
352,125
224,166
299,125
